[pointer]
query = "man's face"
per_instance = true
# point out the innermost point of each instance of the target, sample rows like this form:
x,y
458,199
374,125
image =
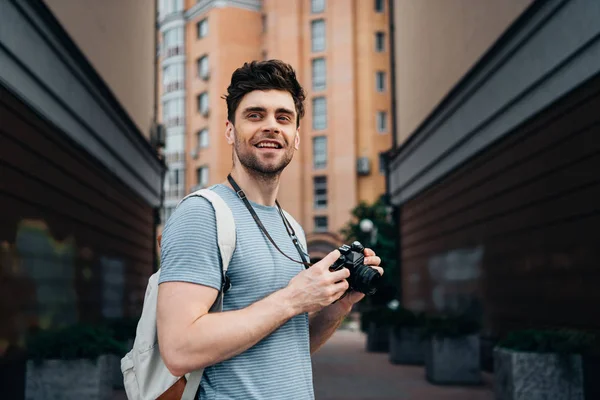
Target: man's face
x,y
265,135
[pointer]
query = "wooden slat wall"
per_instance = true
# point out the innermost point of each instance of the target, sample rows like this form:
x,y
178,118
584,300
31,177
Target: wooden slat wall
x,y
532,203
45,177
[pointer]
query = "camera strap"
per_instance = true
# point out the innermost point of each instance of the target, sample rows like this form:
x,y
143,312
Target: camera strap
x,y
286,223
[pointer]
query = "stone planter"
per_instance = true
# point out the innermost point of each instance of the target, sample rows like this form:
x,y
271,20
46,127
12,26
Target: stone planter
x,y
69,380
378,338
537,376
407,346
453,361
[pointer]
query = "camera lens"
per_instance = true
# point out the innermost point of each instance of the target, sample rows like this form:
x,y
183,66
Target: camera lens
x,y
366,280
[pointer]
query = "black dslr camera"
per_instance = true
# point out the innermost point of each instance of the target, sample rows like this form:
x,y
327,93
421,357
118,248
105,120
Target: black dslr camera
x,y
362,278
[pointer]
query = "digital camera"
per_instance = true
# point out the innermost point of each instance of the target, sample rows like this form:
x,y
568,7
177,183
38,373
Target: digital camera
x,y
362,278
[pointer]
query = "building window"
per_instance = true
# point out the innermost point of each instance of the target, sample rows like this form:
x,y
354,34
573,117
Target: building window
x,y
174,186
167,7
319,113
203,103
382,163
379,6
202,66
319,69
380,81
202,28
321,224
173,112
172,42
264,22
379,42
317,6
320,191
317,29
202,177
203,139
320,152
382,122
173,78
264,55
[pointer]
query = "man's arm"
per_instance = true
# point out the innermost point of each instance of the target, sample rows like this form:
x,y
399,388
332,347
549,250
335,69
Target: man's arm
x,y
325,322
190,338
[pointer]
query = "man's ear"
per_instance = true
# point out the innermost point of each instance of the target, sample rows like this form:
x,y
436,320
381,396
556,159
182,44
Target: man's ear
x,y
229,132
297,139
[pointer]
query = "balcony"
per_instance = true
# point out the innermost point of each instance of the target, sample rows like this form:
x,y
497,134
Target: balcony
x,y
173,51
173,86
174,121
175,193
175,157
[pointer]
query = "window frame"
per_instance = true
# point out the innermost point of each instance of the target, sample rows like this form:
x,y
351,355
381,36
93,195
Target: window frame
x,y
320,200
314,69
313,47
316,117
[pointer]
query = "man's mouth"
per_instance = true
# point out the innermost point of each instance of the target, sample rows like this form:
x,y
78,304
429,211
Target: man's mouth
x,y
268,144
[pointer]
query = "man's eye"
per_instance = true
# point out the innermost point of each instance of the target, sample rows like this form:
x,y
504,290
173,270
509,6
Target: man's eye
x,y
253,116
284,117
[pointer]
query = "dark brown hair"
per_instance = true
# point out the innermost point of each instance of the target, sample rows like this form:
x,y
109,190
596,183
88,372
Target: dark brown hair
x,y
263,75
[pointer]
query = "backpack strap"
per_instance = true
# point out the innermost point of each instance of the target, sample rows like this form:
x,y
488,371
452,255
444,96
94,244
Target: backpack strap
x,y
226,239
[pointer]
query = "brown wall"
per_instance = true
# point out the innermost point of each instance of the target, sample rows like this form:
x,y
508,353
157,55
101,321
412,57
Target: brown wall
x,y
515,231
436,43
69,231
117,37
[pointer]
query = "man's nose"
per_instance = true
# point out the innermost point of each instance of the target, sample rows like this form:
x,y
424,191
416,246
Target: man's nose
x,y
271,125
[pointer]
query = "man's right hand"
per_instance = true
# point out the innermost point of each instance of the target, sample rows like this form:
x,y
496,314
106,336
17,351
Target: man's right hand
x,y
317,286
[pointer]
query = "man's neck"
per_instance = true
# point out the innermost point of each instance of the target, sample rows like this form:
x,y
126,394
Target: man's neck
x,y
258,188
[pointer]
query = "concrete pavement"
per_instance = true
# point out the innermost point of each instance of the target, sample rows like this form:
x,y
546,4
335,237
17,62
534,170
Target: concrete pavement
x,y
343,370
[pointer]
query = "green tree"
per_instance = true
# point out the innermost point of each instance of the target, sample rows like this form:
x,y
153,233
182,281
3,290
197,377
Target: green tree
x,y
383,243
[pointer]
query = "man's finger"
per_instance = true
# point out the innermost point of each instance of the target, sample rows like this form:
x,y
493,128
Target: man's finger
x,y
340,288
329,259
342,274
369,252
379,269
372,261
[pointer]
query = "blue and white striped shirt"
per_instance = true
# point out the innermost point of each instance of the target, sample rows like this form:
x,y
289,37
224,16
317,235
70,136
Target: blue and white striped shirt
x,y
277,367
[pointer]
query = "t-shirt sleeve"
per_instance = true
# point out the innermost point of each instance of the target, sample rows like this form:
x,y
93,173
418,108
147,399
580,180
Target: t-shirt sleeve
x,y
189,247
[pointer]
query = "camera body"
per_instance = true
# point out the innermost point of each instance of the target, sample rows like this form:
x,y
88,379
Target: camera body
x,y
362,278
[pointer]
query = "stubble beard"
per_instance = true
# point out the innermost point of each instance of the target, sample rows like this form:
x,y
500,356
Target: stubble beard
x,y
253,165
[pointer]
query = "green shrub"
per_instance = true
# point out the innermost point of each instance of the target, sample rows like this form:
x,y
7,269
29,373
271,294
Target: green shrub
x,y
74,342
562,341
450,326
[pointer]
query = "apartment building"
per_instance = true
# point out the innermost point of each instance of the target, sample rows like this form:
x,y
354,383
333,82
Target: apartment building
x,y
340,51
495,179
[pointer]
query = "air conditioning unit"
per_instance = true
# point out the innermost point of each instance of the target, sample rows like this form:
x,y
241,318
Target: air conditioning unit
x,y
363,166
206,76
206,112
158,135
194,154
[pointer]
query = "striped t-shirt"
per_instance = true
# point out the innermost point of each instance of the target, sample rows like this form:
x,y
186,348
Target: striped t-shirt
x,y
279,366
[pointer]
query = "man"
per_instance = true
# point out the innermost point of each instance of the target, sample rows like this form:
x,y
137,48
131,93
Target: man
x,y
276,312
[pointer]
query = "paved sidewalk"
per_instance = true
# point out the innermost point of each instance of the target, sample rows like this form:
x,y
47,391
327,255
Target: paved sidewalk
x,y
343,370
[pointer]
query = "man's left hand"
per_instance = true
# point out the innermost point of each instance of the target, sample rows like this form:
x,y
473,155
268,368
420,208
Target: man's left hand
x,y
372,261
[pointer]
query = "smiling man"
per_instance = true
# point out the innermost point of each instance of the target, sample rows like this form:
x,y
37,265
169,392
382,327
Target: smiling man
x,y
276,312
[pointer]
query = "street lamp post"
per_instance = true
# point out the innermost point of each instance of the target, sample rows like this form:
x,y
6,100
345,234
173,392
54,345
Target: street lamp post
x,y
368,227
